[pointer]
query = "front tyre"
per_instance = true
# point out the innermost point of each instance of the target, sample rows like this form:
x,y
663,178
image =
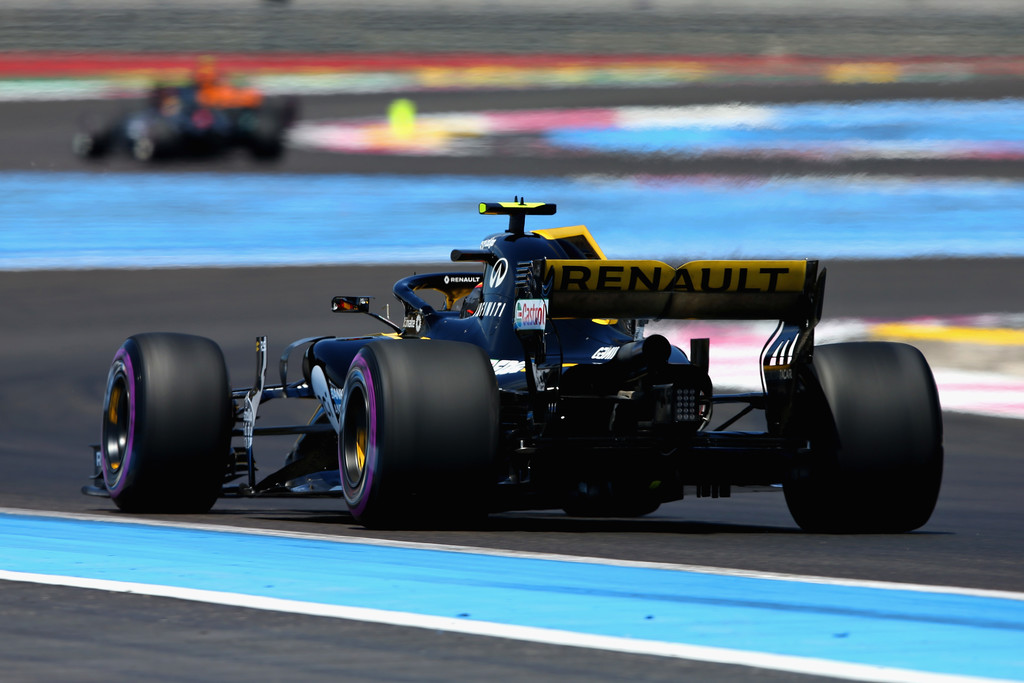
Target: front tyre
x,y
871,413
88,145
419,433
167,420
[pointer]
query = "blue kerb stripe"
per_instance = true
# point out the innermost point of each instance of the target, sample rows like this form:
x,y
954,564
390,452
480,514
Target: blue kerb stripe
x,y
79,220
933,632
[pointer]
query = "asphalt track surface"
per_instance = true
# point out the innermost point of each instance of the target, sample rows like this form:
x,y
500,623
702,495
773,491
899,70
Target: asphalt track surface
x,y
61,328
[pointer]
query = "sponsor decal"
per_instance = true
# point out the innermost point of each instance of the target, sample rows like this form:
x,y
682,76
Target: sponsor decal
x,y
488,243
491,309
605,353
778,372
462,279
696,276
329,395
531,314
498,272
413,322
507,367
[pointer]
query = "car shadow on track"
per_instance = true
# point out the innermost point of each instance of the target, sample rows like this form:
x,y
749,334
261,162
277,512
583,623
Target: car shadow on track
x,y
341,523
533,523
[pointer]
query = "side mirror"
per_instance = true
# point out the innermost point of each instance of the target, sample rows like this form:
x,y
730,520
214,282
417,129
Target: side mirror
x,y
351,304
360,304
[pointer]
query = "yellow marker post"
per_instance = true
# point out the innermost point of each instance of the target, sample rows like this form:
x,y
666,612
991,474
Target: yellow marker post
x,y
402,118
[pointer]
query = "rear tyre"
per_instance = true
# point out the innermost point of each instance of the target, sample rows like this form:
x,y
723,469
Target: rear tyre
x,y
267,135
419,433
167,420
872,416
157,140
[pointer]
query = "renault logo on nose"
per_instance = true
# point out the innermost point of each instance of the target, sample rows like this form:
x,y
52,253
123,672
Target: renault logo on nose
x,y
498,272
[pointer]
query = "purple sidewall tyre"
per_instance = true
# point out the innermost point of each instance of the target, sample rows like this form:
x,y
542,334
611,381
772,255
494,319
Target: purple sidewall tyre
x,y
166,424
358,479
120,378
419,433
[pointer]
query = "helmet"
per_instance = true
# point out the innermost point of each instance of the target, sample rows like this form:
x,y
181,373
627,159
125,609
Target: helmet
x,y
472,301
206,73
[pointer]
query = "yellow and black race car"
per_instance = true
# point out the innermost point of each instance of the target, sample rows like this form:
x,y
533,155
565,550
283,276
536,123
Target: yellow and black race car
x,y
532,385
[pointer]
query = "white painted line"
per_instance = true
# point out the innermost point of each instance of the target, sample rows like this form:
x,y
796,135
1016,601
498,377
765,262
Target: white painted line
x,y
802,665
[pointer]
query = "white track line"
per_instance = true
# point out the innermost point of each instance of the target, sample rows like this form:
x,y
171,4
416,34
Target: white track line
x,y
802,665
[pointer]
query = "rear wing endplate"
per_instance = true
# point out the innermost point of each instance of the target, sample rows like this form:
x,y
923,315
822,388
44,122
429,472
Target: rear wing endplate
x,y
724,290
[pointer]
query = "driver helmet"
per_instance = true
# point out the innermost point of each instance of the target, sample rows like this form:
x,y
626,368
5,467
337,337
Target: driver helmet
x,y
472,301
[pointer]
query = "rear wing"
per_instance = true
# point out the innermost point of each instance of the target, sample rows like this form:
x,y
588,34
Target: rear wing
x,y
790,291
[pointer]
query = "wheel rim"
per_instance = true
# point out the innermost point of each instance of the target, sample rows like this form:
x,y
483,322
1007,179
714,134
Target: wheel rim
x,y
82,144
143,149
355,440
117,424
361,449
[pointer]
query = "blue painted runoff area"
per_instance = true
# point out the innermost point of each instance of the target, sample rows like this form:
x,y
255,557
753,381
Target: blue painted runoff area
x,y
903,127
164,219
957,634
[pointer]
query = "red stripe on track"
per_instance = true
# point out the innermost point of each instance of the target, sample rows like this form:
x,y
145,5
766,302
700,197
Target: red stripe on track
x,y
37,64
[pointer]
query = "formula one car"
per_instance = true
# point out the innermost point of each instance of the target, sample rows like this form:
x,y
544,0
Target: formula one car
x,y
192,121
532,385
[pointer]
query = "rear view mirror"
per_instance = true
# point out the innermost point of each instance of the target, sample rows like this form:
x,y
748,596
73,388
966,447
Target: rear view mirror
x,y
351,304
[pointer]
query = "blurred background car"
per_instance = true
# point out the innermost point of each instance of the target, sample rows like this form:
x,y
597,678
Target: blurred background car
x,y
205,117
